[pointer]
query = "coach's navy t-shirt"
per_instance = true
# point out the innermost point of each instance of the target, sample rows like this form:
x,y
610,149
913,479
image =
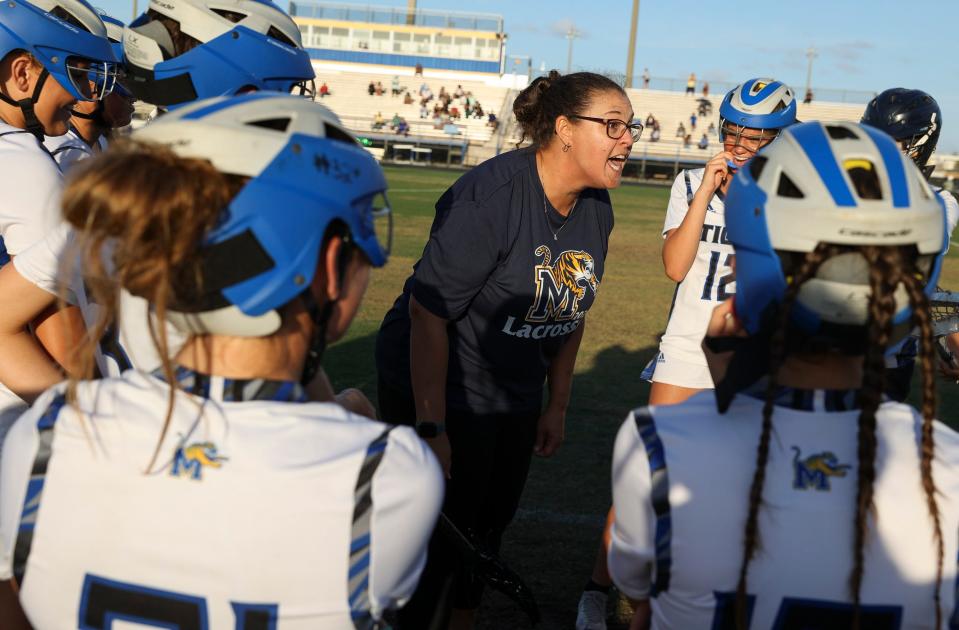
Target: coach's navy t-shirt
x,y
512,292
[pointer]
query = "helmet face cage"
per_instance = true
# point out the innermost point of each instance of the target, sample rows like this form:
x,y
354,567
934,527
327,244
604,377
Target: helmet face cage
x,y
95,80
305,88
67,37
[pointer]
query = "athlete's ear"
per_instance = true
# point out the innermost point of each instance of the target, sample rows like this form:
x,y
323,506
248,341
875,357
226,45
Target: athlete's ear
x,y
329,275
21,70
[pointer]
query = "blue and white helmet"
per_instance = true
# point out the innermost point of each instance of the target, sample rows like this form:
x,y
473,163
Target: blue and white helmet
x,y
758,104
239,45
114,33
837,183
67,37
306,171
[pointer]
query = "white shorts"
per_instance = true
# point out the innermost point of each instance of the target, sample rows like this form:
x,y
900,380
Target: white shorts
x,y
663,369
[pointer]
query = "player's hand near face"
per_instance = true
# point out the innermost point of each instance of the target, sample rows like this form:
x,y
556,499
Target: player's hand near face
x,y
715,173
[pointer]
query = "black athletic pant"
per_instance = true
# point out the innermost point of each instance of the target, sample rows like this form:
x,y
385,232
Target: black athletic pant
x,y
490,461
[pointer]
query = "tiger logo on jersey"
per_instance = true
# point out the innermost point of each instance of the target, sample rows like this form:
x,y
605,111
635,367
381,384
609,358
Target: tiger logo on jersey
x,y
560,286
191,460
815,471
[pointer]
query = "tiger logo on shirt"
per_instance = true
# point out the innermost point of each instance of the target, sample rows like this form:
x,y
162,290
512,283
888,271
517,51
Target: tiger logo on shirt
x,y
561,285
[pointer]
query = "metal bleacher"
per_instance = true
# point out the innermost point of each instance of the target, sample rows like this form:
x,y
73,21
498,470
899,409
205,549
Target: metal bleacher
x,y
350,99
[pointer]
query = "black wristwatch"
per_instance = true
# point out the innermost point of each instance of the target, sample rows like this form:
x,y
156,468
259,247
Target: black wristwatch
x,y
430,429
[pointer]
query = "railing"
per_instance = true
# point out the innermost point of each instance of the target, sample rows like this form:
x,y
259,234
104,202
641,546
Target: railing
x,y
719,88
395,15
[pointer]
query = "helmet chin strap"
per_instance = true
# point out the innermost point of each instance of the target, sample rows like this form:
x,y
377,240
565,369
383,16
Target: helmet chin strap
x,y
31,123
320,316
96,116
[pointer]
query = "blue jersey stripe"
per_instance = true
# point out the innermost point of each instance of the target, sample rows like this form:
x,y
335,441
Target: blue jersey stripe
x,y
659,496
34,495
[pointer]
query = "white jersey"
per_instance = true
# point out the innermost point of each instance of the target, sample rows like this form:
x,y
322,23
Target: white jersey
x,y
260,508
709,280
128,345
952,209
70,148
681,480
31,183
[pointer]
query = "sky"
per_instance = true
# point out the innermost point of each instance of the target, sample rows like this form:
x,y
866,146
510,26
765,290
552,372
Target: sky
x,y
864,45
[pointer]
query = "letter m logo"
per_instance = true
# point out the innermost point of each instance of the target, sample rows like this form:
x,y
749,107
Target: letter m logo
x,y
552,301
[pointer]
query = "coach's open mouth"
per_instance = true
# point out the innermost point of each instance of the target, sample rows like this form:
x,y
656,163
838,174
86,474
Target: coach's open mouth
x,y
617,162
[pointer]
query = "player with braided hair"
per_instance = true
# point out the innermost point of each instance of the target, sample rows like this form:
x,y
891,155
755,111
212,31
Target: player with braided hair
x,y
162,490
828,505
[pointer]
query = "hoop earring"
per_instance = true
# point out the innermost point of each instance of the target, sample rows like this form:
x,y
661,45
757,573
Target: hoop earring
x,y
566,147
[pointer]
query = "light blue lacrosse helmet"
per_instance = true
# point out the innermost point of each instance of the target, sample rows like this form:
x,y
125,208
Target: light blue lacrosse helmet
x,y
306,172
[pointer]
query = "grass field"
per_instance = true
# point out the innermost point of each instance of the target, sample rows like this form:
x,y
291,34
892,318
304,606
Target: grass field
x,y
554,538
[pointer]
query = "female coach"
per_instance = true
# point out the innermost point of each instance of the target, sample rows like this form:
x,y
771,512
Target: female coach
x,y
809,499
497,305
165,488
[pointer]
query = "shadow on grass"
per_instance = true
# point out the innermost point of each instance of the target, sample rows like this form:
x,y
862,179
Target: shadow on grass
x,y
554,537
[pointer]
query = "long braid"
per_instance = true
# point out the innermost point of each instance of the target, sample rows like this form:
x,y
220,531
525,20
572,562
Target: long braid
x,y
777,353
921,318
883,279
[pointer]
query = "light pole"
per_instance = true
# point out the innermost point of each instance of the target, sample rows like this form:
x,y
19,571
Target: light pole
x,y
810,55
632,45
571,34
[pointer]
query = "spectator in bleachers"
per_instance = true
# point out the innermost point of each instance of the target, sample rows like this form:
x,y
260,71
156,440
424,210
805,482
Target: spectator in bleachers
x,y
451,129
458,92
655,135
712,128
645,78
691,83
418,70
687,141
371,88
492,121
650,121
438,121
680,130
705,108
477,110
808,98
425,89
378,121
403,128
380,90
454,112
395,121
408,99
425,112
443,93
704,142
692,121
705,89
324,90
395,89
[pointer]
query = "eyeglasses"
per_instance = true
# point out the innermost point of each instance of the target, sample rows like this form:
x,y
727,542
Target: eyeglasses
x,y
615,128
